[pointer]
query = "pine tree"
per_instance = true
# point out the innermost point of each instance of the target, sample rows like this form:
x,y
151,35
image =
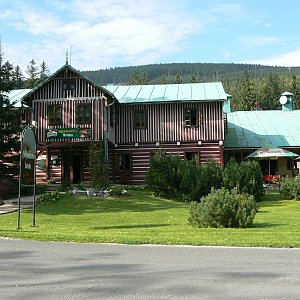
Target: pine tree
x,y
18,77
44,71
246,94
271,92
295,89
32,71
8,117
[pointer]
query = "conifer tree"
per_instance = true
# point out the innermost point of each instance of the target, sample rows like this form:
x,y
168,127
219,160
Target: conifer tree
x,y
247,95
8,117
33,73
44,71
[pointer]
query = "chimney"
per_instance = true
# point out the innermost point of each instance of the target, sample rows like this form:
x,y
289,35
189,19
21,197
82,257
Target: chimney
x,y
286,101
227,105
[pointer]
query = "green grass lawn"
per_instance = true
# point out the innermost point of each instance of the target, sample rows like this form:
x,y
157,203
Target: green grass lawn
x,y
144,219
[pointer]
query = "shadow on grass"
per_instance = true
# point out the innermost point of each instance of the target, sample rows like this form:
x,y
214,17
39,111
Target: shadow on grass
x,y
130,226
266,225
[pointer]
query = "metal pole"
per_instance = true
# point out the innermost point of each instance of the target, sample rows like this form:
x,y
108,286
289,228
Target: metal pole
x,y
20,175
34,188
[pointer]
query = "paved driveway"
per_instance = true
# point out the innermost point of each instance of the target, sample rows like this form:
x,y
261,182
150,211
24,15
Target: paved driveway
x,y
48,270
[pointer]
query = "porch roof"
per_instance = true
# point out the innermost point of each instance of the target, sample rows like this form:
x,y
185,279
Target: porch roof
x,y
254,129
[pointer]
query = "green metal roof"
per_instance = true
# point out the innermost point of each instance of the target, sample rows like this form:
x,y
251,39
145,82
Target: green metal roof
x,y
15,97
254,129
130,94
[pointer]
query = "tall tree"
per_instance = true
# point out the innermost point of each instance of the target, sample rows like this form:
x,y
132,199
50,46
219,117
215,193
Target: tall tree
x,y
295,89
271,92
137,78
33,75
246,94
8,117
19,78
44,71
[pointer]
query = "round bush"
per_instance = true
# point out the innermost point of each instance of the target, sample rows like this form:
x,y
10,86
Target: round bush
x,y
290,187
223,208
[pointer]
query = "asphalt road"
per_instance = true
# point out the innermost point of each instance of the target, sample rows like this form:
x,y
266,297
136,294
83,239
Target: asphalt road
x,y
48,270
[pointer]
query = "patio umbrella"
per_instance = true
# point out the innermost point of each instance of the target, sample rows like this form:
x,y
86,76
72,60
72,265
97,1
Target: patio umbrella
x,y
271,152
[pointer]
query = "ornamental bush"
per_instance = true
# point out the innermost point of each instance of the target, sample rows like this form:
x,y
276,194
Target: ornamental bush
x,y
165,175
246,177
290,187
223,208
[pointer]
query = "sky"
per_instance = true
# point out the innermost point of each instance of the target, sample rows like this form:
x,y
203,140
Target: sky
x,y
100,34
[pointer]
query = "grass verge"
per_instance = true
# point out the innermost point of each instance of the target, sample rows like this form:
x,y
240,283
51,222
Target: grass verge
x,y
144,219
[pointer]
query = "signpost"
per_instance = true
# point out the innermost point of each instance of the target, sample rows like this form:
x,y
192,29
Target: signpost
x,y
27,173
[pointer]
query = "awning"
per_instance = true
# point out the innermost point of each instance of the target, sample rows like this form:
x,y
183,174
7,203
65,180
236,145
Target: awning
x,y
271,152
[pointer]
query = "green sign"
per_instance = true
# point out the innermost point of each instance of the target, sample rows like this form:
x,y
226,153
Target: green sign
x,y
68,133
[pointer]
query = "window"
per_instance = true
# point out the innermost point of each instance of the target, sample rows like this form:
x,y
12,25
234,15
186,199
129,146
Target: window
x,y
125,162
69,85
191,117
55,115
84,113
139,119
192,156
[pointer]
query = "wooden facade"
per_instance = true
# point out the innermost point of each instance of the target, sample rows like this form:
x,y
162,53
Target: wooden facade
x,y
70,111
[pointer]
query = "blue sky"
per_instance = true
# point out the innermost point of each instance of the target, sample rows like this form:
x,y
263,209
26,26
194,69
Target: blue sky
x,y
113,33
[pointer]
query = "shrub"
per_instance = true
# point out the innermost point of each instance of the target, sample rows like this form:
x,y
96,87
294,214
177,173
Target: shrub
x,y
246,177
165,175
223,208
290,187
98,165
49,197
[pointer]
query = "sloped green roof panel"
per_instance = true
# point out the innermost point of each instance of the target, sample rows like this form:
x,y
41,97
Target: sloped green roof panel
x,y
212,91
277,127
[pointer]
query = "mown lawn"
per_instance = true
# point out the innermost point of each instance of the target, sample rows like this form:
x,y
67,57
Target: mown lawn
x,y
144,219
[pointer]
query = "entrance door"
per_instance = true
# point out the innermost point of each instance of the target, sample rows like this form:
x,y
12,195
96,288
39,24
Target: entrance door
x,y
72,167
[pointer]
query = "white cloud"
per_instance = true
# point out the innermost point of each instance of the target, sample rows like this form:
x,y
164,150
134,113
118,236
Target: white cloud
x,y
262,41
289,59
101,32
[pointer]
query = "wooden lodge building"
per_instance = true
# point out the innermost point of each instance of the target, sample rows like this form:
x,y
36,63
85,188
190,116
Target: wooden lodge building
x,y
69,111
191,120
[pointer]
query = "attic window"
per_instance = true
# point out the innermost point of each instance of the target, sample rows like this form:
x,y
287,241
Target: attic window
x,y
69,85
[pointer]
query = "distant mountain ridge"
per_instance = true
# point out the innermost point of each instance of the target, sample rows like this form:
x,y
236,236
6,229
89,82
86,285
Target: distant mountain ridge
x,y
185,72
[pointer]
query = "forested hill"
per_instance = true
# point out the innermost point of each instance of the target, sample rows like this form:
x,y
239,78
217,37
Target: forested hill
x,y
183,72
251,86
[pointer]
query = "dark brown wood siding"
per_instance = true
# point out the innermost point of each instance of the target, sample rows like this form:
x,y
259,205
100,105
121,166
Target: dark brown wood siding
x,y
165,122
140,157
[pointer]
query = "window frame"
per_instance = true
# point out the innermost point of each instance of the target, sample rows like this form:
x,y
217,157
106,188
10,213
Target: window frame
x,y
138,122
87,109
69,85
196,156
188,118
126,163
52,110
